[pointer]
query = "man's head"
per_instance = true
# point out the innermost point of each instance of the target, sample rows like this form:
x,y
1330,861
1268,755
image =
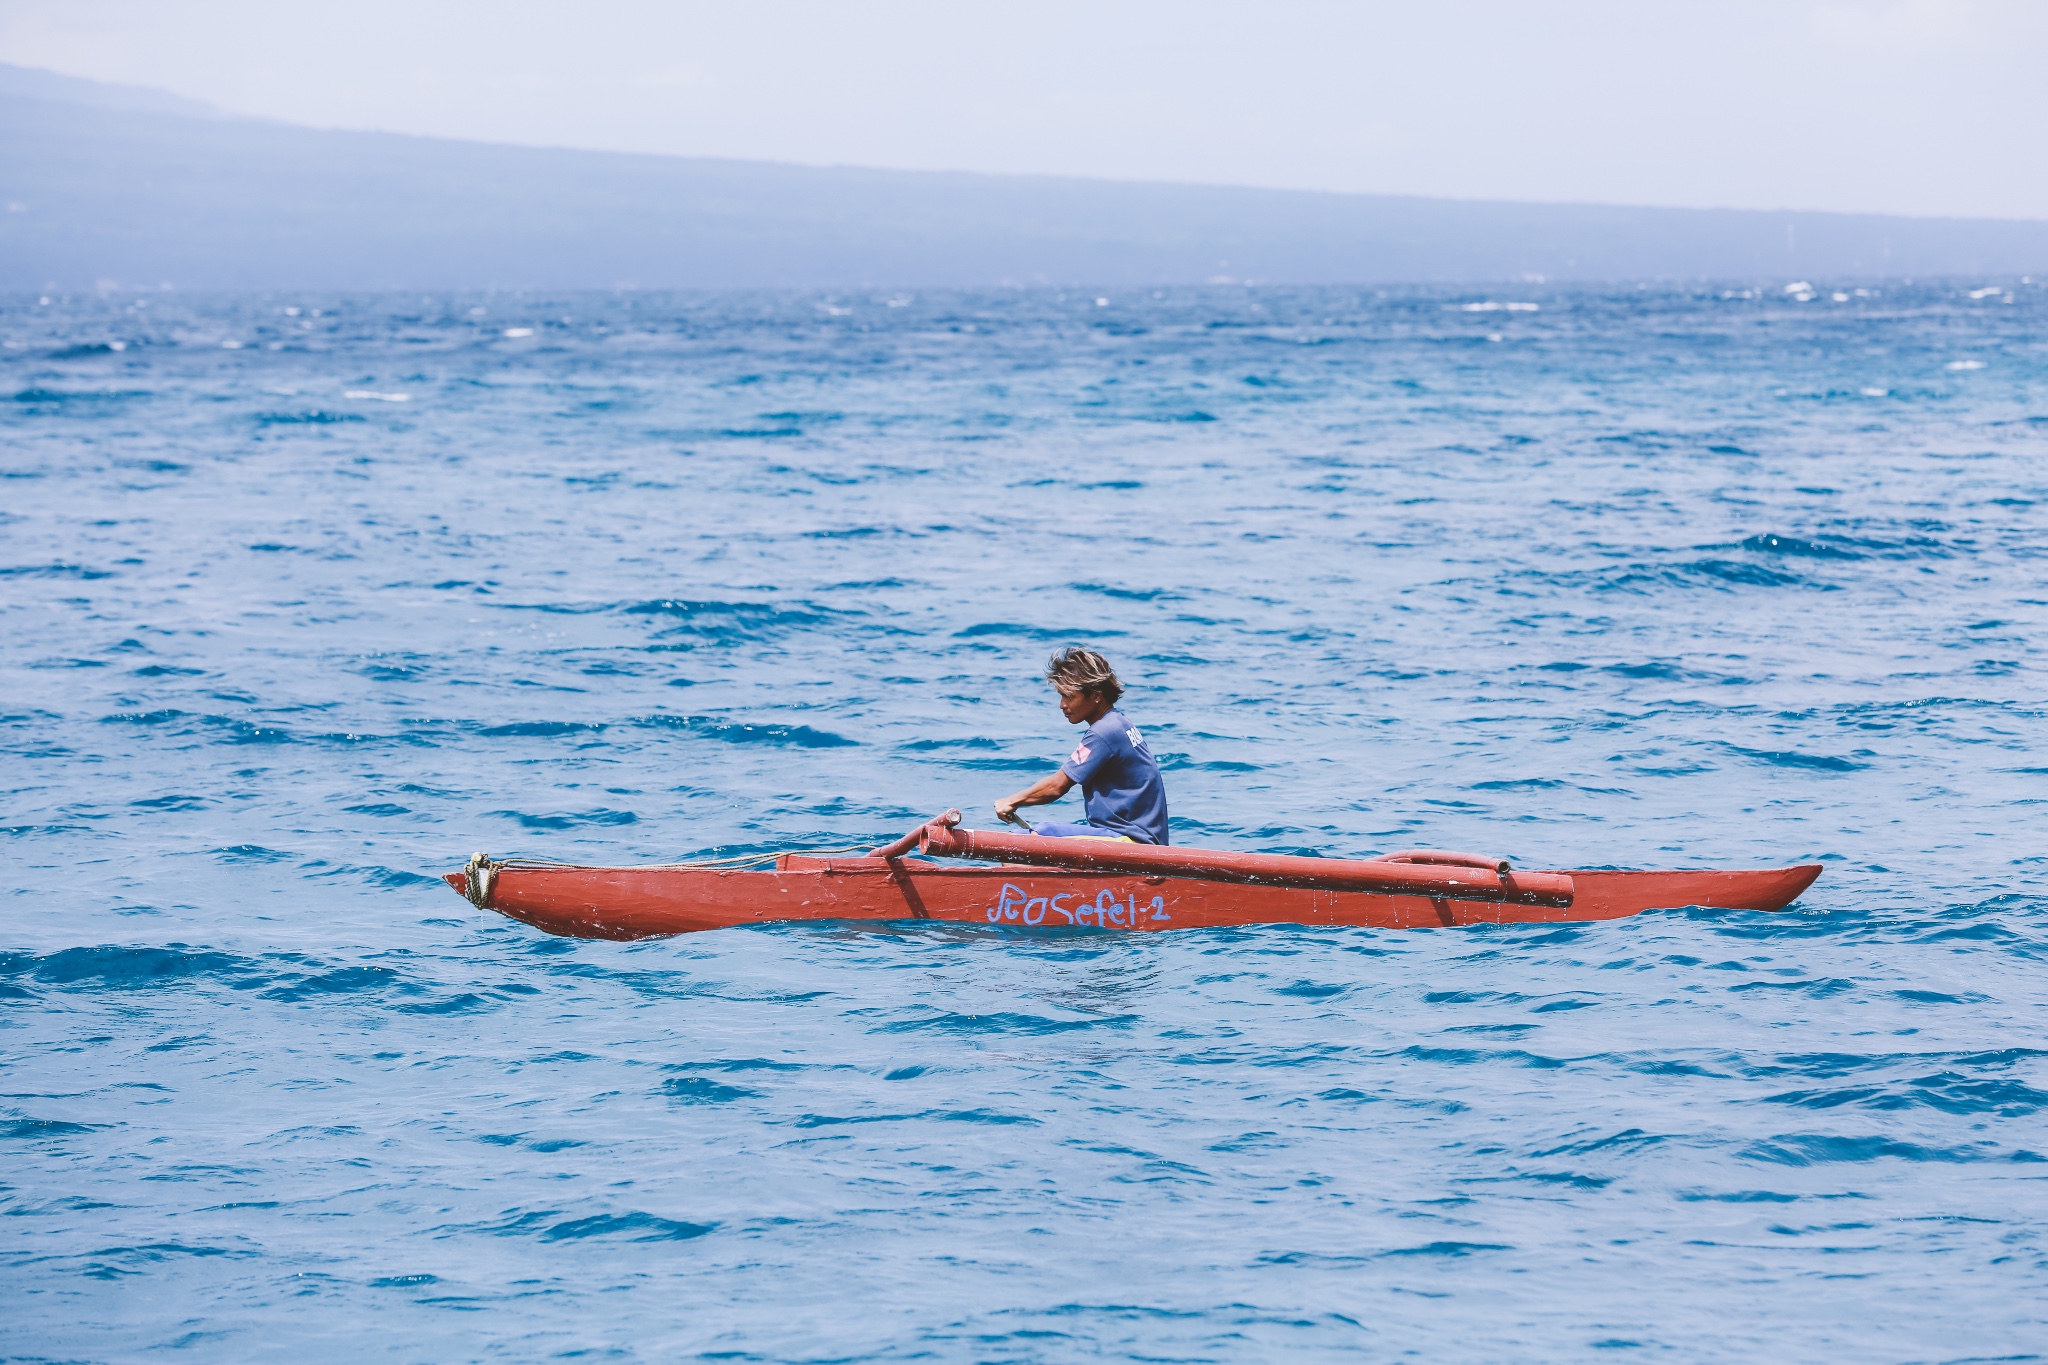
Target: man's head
x,y
1087,684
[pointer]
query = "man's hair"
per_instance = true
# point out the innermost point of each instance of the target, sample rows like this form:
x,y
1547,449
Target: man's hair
x,y
1075,669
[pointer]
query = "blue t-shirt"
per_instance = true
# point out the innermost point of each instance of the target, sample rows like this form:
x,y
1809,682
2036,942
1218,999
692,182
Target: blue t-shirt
x,y
1120,780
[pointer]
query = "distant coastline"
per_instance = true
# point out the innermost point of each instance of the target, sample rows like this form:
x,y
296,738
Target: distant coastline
x,y
111,185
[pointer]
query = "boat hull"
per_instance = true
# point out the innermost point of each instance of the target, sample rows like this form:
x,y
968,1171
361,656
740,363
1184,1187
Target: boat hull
x,y
631,903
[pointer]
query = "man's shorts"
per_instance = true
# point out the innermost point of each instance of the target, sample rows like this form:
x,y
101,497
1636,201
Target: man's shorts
x,y
1053,829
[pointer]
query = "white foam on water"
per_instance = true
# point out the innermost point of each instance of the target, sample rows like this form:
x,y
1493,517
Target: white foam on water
x,y
1490,306
378,397
1966,364
1987,292
1877,393
518,331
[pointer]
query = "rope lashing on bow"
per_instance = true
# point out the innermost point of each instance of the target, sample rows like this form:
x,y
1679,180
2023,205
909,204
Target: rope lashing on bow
x,y
478,877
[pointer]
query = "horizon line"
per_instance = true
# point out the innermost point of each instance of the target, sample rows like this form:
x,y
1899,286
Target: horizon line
x,y
222,112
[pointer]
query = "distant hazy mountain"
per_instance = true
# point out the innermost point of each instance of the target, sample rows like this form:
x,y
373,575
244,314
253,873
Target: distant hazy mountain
x,y
26,82
108,184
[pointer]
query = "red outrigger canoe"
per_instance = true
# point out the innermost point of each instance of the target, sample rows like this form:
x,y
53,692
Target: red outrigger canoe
x,y
1046,882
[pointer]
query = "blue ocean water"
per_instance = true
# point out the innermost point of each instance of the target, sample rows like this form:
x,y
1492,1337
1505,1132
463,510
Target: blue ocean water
x,y
307,598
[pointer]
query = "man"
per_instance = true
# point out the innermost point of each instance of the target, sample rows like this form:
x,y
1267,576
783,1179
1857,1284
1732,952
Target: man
x,y
1120,783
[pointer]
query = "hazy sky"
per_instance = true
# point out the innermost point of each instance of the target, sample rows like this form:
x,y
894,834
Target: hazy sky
x,y
1908,106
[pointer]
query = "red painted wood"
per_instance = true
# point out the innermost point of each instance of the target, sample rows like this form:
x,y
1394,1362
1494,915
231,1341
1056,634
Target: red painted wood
x,y
628,903
1445,857
1457,881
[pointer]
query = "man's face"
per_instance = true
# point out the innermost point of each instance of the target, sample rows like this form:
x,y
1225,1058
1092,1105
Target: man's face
x,y
1075,706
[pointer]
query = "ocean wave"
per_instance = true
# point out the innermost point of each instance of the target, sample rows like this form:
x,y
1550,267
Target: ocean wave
x,y
540,729
1798,547
125,968
223,729
549,1225
1785,758
1747,575
88,350
370,874
76,398
1448,1248
1130,594
144,973
1818,989
1021,764
1642,578
1463,1056
78,571
1820,1149
1014,630
731,621
316,417
981,1116
341,981
1001,1022
601,817
745,732
1946,1091
37,1130
704,1090
1841,547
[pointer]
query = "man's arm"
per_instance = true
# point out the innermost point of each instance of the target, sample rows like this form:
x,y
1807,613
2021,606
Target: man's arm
x,y
1043,792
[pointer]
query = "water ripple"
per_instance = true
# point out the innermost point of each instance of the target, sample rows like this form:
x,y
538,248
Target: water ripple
x,y
1650,581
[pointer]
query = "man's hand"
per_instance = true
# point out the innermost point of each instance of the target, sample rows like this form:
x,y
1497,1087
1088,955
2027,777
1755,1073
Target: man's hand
x,y
1042,792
